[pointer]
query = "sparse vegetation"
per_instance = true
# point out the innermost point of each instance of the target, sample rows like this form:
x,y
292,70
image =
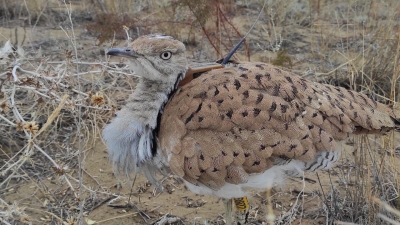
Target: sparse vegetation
x,y
57,90
282,59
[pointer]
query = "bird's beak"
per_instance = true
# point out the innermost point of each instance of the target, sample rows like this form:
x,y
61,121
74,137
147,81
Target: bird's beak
x,y
123,52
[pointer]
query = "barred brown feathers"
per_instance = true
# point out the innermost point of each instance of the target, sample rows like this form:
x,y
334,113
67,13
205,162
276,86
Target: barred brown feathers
x,y
233,122
242,126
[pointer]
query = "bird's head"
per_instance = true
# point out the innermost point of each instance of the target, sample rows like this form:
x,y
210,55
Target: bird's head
x,y
155,57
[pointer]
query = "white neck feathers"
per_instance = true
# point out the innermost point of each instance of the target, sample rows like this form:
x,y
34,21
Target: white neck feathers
x,y
131,137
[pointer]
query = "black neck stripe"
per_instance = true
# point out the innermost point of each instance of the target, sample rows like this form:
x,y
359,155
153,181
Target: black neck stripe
x,y
156,130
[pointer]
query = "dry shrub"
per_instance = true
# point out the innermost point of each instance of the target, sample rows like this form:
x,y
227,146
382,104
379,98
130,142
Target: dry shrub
x,y
367,48
369,173
356,45
49,13
282,59
190,21
108,27
50,111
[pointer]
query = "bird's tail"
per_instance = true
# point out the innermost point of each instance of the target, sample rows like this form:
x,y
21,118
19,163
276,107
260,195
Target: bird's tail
x,y
396,112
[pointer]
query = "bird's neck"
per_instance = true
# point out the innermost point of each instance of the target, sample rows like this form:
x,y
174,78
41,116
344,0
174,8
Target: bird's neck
x,y
149,99
131,137
145,102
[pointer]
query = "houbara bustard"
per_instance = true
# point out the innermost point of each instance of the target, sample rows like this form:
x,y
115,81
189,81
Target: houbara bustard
x,y
247,125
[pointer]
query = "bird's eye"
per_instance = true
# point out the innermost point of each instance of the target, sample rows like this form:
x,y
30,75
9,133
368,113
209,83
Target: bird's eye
x,y
166,55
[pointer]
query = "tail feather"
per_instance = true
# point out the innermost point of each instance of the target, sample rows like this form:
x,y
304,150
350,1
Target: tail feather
x,y
396,112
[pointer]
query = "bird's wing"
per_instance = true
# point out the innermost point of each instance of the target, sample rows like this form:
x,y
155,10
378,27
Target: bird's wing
x,y
232,122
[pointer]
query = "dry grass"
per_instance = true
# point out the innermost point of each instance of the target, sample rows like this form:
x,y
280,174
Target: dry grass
x,y
53,105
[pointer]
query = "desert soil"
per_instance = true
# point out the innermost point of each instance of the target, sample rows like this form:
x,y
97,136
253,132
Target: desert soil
x,y
303,196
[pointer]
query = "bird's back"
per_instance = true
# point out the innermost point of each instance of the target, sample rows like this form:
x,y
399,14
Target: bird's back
x,y
232,123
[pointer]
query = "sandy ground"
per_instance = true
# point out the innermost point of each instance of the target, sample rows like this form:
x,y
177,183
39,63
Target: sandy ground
x,y
146,206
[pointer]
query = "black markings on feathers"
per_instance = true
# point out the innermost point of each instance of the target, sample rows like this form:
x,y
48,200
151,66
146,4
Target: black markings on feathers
x,y
192,115
292,147
156,130
216,91
276,144
268,76
363,98
275,91
351,93
259,98
289,80
229,114
225,87
260,66
258,78
237,84
154,138
294,90
246,94
199,108
256,112
288,99
201,95
303,84
305,137
189,118
284,108
273,107
368,121
244,76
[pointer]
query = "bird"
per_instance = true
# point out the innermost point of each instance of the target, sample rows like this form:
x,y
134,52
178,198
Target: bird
x,y
241,126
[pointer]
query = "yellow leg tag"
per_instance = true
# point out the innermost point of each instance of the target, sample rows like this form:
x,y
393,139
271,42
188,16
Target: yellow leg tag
x,y
242,204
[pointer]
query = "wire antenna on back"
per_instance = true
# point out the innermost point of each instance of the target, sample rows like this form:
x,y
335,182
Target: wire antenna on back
x,y
229,55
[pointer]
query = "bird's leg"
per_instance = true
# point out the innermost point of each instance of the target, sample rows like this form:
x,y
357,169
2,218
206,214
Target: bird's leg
x,y
270,212
228,211
242,206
